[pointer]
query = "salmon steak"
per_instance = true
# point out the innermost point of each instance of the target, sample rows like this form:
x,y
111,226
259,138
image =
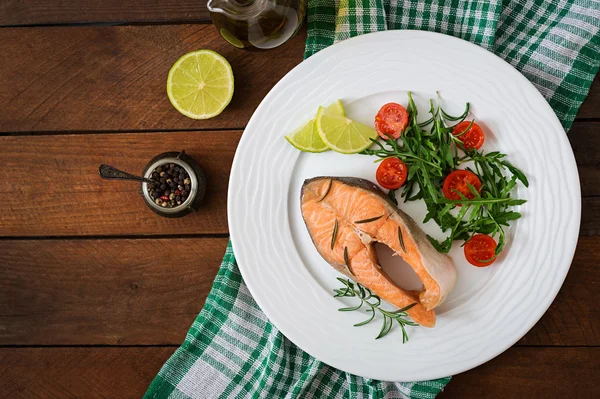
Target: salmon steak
x,y
346,216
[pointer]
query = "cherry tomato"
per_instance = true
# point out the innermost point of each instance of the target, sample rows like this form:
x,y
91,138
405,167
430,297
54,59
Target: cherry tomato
x,y
458,180
473,138
391,120
480,250
391,173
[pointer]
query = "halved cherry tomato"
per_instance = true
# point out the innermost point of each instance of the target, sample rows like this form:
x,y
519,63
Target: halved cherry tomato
x,y
458,180
472,138
480,250
391,173
391,120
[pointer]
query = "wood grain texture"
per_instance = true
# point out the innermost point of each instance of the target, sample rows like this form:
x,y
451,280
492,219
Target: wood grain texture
x,y
90,373
585,141
44,373
35,12
589,177
550,373
113,78
55,190
591,106
115,292
590,216
148,291
573,318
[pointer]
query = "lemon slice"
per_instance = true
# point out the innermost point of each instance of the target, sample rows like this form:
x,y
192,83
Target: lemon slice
x,y
342,134
306,138
200,84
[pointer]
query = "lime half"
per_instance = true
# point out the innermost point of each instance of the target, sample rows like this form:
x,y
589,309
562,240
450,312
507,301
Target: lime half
x,y
200,84
342,134
307,138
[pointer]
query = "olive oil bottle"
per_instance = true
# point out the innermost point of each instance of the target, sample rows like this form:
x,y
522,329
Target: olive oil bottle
x,y
257,24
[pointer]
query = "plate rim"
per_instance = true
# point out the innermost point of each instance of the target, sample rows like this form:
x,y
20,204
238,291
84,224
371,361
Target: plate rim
x,y
315,59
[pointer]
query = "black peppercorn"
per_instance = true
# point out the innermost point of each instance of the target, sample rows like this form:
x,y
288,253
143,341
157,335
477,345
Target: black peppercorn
x,y
173,188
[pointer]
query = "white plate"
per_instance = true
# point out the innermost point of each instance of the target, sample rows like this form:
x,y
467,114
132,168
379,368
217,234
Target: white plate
x,y
490,308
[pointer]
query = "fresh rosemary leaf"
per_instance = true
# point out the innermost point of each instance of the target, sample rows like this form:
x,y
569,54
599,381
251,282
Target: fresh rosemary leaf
x,y
346,260
373,302
368,220
362,323
404,309
401,239
326,191
385,328
334,235
350,309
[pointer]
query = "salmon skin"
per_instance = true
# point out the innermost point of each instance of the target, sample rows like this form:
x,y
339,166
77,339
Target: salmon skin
x,y
361,214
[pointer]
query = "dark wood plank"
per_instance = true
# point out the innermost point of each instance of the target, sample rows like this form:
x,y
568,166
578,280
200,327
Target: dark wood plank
x,y
589,176
59,192
145,291
531,373
35,12
573,318
148,291
54,188
590,216
113,78
585,141
50,373
591,106
126,373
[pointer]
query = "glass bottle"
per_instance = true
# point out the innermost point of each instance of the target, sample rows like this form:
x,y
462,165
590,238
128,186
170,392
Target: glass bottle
x,y
257,24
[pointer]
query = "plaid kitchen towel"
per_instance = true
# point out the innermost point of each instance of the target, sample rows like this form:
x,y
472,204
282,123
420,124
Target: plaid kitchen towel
x,y
232,350
554,43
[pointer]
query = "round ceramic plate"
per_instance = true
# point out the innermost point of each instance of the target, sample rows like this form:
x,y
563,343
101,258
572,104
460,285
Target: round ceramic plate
x,y
490,308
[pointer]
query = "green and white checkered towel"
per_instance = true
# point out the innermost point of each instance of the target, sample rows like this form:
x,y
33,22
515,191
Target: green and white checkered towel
x,y
232,350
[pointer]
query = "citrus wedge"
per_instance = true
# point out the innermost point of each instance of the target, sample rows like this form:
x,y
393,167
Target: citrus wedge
x,y
200,84
342,134
306,138
336,108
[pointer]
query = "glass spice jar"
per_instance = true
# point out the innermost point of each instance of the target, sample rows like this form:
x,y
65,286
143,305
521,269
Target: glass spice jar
x,y
197,184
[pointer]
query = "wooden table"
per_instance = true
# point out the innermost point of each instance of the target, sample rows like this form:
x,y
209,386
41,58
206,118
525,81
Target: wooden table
x,y
96,291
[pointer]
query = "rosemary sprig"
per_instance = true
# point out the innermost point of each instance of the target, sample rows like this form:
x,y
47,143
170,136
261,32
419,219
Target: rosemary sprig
x,y
401,239
326,191
346,259
334,235
368,220
373,302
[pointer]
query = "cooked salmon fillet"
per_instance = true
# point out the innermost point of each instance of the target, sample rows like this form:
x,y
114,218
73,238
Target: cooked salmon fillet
x,y
344,201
